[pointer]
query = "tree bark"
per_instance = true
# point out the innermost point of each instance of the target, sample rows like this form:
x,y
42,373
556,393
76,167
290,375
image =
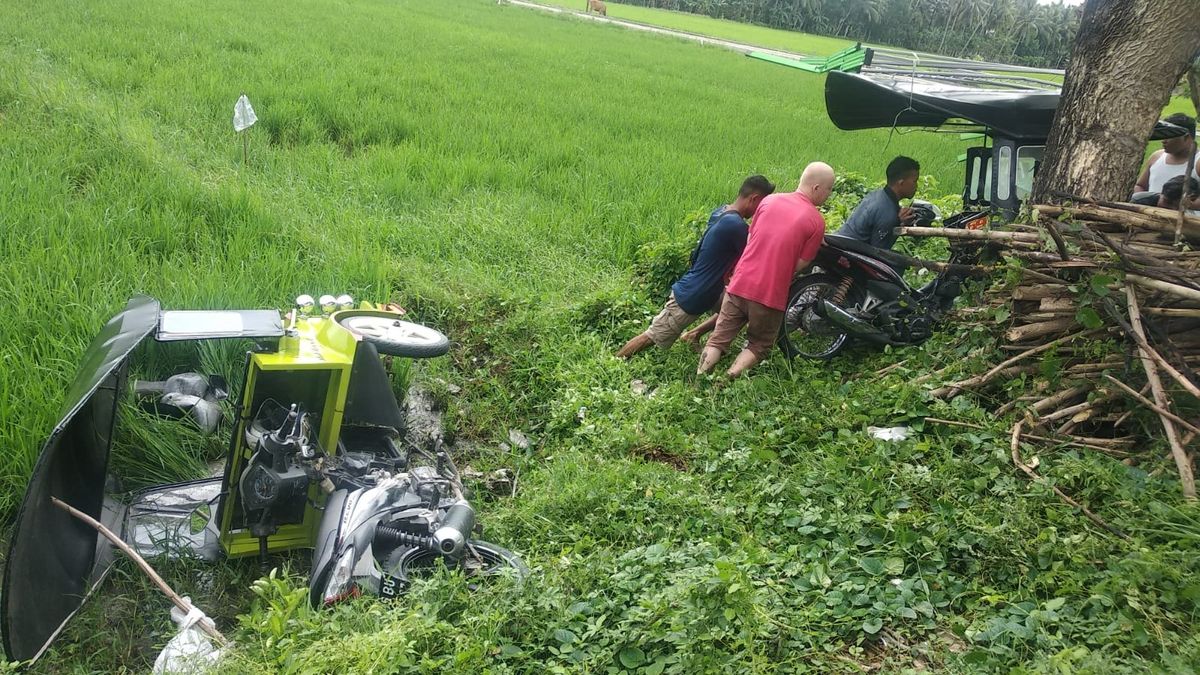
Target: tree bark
x,y
1127,57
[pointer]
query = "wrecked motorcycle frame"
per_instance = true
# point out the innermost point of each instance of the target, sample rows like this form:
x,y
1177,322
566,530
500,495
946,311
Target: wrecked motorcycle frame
x,y
317,459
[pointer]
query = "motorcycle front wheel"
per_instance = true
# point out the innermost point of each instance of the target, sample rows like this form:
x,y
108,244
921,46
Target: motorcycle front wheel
x,y
806,333
480,559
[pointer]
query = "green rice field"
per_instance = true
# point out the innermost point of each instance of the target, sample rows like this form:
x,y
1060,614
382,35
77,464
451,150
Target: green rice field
x,y
529,183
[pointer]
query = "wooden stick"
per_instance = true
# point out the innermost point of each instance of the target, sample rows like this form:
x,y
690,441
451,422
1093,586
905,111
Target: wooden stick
x,y
1182,462
205,624
1061,397
973,235
1142,344
1045,439
1151,405
956,388
1071,411
1146,217
1039,329
1175,374
1056,235
1129,413
1172,312
1173,289
1034,274
1033,475
887,369
1042,292
953,389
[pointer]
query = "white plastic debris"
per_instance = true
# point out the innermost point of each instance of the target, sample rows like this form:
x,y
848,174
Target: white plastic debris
x,y
243,114
889,433
190,652
518,439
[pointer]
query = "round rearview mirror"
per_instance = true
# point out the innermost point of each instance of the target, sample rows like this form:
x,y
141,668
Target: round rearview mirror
x,y
328,304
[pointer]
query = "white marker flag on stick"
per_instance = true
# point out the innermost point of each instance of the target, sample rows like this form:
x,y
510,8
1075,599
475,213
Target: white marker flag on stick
x,y
243,114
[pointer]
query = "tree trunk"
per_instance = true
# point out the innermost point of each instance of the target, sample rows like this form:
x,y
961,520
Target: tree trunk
x,y
1127,57
1194,84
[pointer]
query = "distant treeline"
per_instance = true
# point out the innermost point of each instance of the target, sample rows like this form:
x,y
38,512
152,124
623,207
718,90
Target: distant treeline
x,y
1010,31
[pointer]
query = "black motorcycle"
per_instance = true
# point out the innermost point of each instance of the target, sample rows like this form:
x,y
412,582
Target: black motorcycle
x,y
858,293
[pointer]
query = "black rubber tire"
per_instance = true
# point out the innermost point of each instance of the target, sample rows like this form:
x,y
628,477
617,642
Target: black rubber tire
x,y
420,342
800,286
406,564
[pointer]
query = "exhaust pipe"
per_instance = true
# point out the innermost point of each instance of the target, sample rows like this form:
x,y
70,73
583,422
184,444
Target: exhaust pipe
x,y
455,529
851,324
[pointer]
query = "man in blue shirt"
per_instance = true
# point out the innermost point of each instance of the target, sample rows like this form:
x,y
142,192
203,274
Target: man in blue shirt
x,y
700,289
877,216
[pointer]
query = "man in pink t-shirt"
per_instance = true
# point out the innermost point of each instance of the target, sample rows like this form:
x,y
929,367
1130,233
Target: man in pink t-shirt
x,y
787,233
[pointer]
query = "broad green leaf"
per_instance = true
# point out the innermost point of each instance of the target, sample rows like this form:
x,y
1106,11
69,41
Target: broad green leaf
x,y
632,657
1088,317
1100,284
564,636
893,566
871,626
872,566
1055,604
509,651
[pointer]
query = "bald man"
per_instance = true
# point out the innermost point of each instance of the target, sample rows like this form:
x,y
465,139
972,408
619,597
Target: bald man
x,y
787,233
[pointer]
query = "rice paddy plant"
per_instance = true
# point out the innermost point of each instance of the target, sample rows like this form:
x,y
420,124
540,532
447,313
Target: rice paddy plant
x,y
498,171
398,154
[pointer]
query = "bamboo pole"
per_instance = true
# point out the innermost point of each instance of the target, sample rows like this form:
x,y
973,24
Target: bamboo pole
x,y
205,624
1182,462
1151,405
1174,289
972,235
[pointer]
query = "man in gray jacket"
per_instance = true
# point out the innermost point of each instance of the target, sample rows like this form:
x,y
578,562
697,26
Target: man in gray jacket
x,y
876,217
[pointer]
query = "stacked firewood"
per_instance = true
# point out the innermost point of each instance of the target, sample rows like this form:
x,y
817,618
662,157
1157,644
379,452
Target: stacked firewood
x,y
1111,293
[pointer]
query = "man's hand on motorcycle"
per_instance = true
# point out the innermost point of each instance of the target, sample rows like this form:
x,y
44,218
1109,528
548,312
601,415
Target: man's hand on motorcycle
x,y
907,216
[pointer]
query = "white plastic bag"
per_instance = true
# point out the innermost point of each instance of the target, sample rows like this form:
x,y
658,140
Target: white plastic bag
x,y
889,433
190,652
243,114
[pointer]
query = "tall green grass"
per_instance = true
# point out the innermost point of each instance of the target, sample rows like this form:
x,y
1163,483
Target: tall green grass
x,y
404,149
498,170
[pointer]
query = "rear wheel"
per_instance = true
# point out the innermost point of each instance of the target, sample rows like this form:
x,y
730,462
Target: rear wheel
x,y
394,337
805,332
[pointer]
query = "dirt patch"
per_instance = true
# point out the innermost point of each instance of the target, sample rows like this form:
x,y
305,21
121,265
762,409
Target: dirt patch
x,y
654,453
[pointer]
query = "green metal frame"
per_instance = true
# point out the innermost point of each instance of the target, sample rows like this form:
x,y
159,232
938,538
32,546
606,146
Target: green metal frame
x,y
850,59
320,344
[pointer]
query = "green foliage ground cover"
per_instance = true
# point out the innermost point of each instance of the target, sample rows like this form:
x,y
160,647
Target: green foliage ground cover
x,y
520,181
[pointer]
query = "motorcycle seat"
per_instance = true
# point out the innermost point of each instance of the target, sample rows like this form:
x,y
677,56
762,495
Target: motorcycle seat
x,y
847,244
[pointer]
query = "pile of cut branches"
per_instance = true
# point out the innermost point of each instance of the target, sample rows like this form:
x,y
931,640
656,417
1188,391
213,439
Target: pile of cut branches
x,y
1109,293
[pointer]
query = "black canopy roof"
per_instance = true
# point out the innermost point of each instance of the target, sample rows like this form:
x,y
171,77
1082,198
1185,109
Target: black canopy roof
x,y
873,100
1017,107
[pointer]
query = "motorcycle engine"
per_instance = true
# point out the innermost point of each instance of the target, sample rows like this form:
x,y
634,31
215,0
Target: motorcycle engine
x,y
274,485
905,321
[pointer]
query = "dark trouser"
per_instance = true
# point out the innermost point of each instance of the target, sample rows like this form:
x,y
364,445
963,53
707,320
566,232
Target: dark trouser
x,y
762,325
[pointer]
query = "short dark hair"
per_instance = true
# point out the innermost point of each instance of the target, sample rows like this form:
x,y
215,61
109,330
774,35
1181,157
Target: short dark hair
x,y
1183,120
1172,190
756,185
901,167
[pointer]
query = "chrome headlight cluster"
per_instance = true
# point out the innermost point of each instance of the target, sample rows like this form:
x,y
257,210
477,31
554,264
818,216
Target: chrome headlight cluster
x,y
328,304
